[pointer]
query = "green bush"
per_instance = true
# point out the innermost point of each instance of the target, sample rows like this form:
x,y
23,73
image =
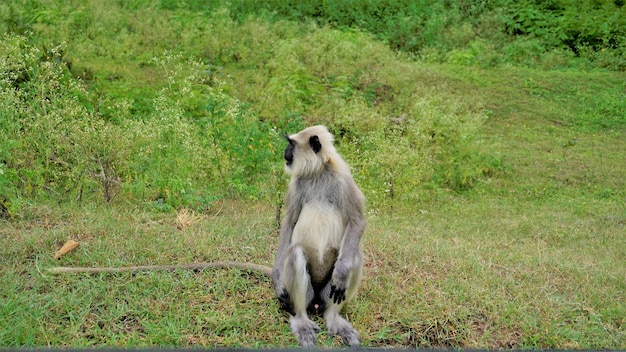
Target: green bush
x,y
594,31
41,103
444,31
563,33
174,130
194,143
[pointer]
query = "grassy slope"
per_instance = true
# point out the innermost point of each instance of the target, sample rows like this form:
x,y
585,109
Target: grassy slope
x,y
531,257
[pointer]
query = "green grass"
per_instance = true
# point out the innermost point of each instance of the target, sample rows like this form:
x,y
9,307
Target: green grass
x,y
496,195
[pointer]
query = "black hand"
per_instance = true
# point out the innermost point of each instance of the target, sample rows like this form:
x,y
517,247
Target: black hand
x,y
285,302
337,294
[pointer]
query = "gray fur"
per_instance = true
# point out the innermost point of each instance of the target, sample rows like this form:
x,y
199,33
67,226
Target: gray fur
x,y
321,232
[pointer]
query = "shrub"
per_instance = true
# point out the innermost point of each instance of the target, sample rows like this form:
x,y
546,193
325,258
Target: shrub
x,y
54,132
180,130
191,145
444,31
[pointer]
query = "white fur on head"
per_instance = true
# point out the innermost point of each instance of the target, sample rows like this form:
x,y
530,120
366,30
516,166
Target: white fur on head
x,y
306,162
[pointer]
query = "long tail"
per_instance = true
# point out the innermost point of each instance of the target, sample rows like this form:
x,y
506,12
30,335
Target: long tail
x,y
265,270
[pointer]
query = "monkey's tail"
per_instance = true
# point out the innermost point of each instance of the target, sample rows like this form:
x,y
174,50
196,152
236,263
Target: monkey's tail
x,y
265,270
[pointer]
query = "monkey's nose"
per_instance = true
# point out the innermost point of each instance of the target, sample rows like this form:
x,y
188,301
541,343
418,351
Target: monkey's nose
x,y
289,154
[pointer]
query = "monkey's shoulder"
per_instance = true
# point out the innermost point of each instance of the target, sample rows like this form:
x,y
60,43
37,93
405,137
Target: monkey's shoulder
x,y
329,189
327,179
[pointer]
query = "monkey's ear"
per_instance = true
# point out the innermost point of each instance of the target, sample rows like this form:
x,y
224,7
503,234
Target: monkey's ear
x,y
314,141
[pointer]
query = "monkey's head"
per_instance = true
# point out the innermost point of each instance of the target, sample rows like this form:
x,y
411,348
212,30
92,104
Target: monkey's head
x,y
309,151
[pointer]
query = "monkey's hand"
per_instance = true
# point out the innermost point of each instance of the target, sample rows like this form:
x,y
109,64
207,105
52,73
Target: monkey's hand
x,y
338,285
281,292
339,282
285,301
337,294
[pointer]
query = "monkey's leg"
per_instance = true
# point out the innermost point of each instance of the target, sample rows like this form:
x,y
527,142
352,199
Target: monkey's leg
x,y
298,284
335,323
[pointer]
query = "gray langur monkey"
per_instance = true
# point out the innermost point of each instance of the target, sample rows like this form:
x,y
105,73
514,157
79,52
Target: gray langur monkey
x,y
319,262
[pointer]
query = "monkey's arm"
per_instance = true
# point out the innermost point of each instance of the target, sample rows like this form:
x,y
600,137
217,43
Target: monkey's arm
x,y
265,270
283,246
349,257
350,251
292,213
284,241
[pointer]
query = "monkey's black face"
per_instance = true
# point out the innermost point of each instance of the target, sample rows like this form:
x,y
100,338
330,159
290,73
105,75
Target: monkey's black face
x,y
289,152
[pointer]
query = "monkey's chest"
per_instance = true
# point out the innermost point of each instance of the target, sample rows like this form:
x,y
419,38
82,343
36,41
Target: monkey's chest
x,y
319,231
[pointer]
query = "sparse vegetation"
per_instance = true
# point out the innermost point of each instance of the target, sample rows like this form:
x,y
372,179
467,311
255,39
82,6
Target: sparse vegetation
x,y
488,138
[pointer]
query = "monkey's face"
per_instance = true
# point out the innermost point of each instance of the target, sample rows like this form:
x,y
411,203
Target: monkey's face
x,y
314,144
303,154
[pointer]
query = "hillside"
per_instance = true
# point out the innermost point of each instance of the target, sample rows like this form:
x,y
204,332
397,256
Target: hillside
x,y
494,168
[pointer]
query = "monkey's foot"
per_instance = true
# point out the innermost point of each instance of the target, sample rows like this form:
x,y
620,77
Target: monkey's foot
x,y
341,327
304,329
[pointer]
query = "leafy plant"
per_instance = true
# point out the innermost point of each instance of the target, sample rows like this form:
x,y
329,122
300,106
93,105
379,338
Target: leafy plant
x,y
72,150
